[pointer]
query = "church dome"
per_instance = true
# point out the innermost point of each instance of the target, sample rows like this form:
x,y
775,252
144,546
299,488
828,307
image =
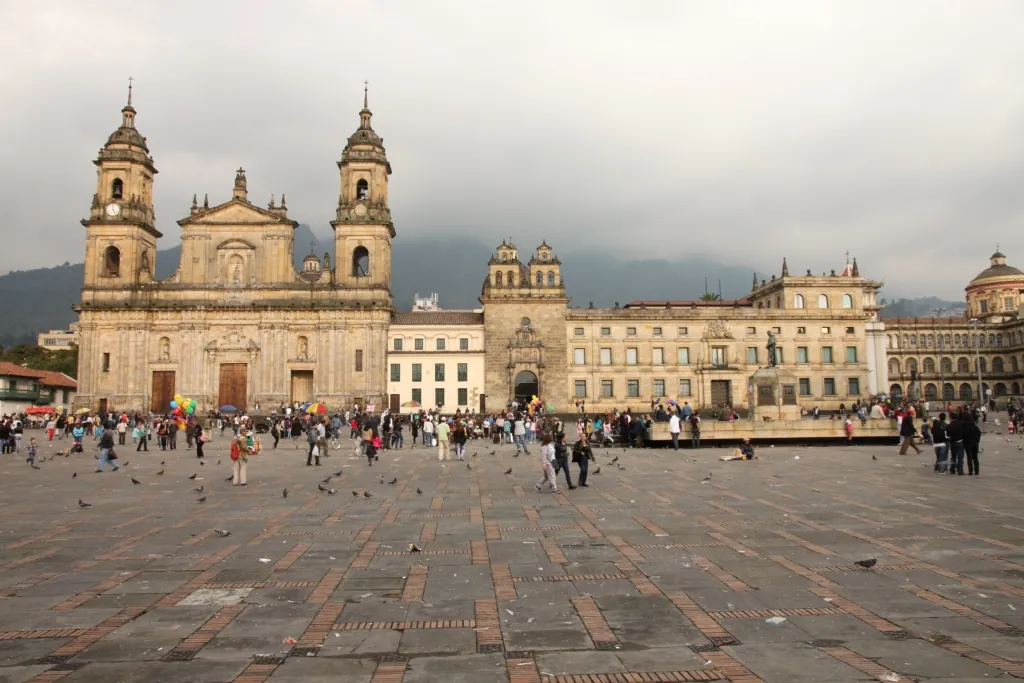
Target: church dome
x,y
998,268
127,134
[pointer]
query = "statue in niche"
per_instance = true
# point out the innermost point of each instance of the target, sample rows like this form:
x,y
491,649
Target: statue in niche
x,y
145,261
303,348
236,275
165,349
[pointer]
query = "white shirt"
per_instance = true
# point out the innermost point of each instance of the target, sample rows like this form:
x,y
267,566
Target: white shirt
x,y
547,454
673,424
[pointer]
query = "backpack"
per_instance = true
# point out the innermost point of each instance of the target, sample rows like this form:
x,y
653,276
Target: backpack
x,y
234,450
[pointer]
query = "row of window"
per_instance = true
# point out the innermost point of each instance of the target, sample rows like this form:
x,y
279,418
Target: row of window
x,y
685,331
462,397
440,344
684,387
953,340
462,372
963,365
719,355
510,279
1007,304
964,393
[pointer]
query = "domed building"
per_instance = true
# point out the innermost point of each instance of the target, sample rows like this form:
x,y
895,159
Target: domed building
x,y
995,294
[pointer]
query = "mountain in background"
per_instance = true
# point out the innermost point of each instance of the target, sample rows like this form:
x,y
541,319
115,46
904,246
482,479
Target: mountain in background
x,y
922,307
34,301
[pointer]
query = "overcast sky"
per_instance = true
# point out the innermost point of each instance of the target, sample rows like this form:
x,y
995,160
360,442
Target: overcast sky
x,y
744,131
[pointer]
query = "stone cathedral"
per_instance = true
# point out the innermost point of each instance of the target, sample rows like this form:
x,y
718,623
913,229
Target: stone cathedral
x,y
236,324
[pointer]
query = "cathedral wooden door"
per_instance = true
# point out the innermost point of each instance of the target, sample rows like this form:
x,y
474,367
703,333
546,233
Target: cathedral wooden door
x,y
163,391
233,384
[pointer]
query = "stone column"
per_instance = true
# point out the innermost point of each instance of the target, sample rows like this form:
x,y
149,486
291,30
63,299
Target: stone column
x,y
877,362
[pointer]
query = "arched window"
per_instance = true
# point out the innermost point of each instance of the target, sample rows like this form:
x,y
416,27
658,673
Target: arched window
x,y
117,189
1015,389
956,340
929,366
362,189
540,278
983,364
913,340
912,365
822,301
991,340
112,262
906,341
895,391
511,279
931,392
999,340
974,340
945,340
965,392
497,279
963,365
504,258
847,301
948,392
1014,365
931,340
360,262
551,278
997,365
894,366
778,301
999,389
544,257
947,366
798,301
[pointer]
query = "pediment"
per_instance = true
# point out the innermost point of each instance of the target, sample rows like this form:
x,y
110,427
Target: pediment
x,y
235,212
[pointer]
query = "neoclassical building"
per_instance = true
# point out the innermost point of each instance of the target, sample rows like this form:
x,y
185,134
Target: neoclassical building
x,y
961,358
235,324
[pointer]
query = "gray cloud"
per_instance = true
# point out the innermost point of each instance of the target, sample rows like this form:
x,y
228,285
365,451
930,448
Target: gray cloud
x,y
740,131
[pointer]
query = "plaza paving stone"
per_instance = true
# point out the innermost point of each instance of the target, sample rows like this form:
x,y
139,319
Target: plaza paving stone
x,y
653,573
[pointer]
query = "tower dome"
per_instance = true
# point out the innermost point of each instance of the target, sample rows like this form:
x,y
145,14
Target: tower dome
x,y
996,293
998,268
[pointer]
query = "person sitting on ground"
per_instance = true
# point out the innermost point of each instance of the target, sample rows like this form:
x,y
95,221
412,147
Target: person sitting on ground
x,y
744,452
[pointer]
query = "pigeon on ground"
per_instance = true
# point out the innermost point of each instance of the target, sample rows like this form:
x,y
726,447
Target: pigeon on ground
x,y
284,494
194,475
419,491
199,490
202,463
74,475
615,459
474,455
321,487
331,492
135,481
202,500
413,548
393,481
468,466
163,462
493,452
874,457
867,564
230,479
367,494
218,462
160,473
597,471
508,471
620,467
355,493
83,504
222,532
337,474
125,464
327,480
36,467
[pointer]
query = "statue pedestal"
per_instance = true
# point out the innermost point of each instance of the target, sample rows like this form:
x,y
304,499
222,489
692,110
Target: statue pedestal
x,y
775,394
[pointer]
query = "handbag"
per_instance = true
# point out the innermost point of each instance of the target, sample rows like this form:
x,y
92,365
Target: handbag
x,y
316,451
111,455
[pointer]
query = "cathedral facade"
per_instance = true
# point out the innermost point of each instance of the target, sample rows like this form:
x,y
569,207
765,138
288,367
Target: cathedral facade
x,y
236,324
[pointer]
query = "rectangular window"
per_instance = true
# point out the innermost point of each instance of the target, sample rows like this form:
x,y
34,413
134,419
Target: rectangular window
x,y
606,356
359,360
777,330
826,330
829,386
1008,303
106,362
417,372
417,395
851,330
606,331
632,388
607,388
463,397
578,332
718,356
805,386
631,356
579,356
658,356
630,331
438,397
683,356
683,331
438,372
826,354
984,306
463,343
684,387
396,372
801,354
751,355
751,331
440,343
397,345
851,354
658,388
853,386
418,344
801,330
581,388
778,355
463,372
657,331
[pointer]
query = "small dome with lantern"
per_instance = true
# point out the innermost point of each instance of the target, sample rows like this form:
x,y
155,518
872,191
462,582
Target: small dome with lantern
x,y
996,293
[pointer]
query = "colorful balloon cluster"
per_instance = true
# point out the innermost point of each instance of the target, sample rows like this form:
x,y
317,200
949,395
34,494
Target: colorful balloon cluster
x,y
181,406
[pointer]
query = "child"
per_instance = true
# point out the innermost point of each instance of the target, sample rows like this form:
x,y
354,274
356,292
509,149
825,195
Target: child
x,y
31,451
849,429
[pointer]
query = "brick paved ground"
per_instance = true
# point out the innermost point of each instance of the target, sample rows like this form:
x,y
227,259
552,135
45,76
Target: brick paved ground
x,y
648,575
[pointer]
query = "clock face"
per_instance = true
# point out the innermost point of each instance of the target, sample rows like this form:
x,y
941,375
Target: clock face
x,y
113,209
360,209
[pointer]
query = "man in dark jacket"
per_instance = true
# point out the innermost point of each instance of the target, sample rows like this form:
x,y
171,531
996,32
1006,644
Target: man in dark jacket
x,y
955,437
941,446
972,440
909,433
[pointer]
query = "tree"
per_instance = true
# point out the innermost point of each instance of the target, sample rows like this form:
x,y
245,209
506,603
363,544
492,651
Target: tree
x,y
38,358
710,296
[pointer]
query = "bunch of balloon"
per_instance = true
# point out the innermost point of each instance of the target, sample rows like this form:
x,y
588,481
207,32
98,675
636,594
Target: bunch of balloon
x,y
182,408
534,404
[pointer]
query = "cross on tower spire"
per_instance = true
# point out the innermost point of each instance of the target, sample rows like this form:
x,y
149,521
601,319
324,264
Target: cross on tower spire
x,y
130,79
366,94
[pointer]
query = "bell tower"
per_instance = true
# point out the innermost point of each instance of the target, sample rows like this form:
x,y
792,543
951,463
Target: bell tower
x,y
363,229
121,234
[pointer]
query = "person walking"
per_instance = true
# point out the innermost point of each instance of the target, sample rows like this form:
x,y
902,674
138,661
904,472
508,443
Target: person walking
x,y
673,430
909,433
200,440
939,441
519,434
141,436
547,465
428,432
275,431
441,432
172,436
562,458
122,431
459,437
582,455
240,459
312,437
695,429
107,455
972,442
51,429
955,437
31,452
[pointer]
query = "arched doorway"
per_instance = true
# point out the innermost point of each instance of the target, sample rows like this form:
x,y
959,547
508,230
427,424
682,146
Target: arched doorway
x,y
526,387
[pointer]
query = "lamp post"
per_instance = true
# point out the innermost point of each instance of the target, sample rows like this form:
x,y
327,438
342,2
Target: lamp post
x,y
973,322
938,312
